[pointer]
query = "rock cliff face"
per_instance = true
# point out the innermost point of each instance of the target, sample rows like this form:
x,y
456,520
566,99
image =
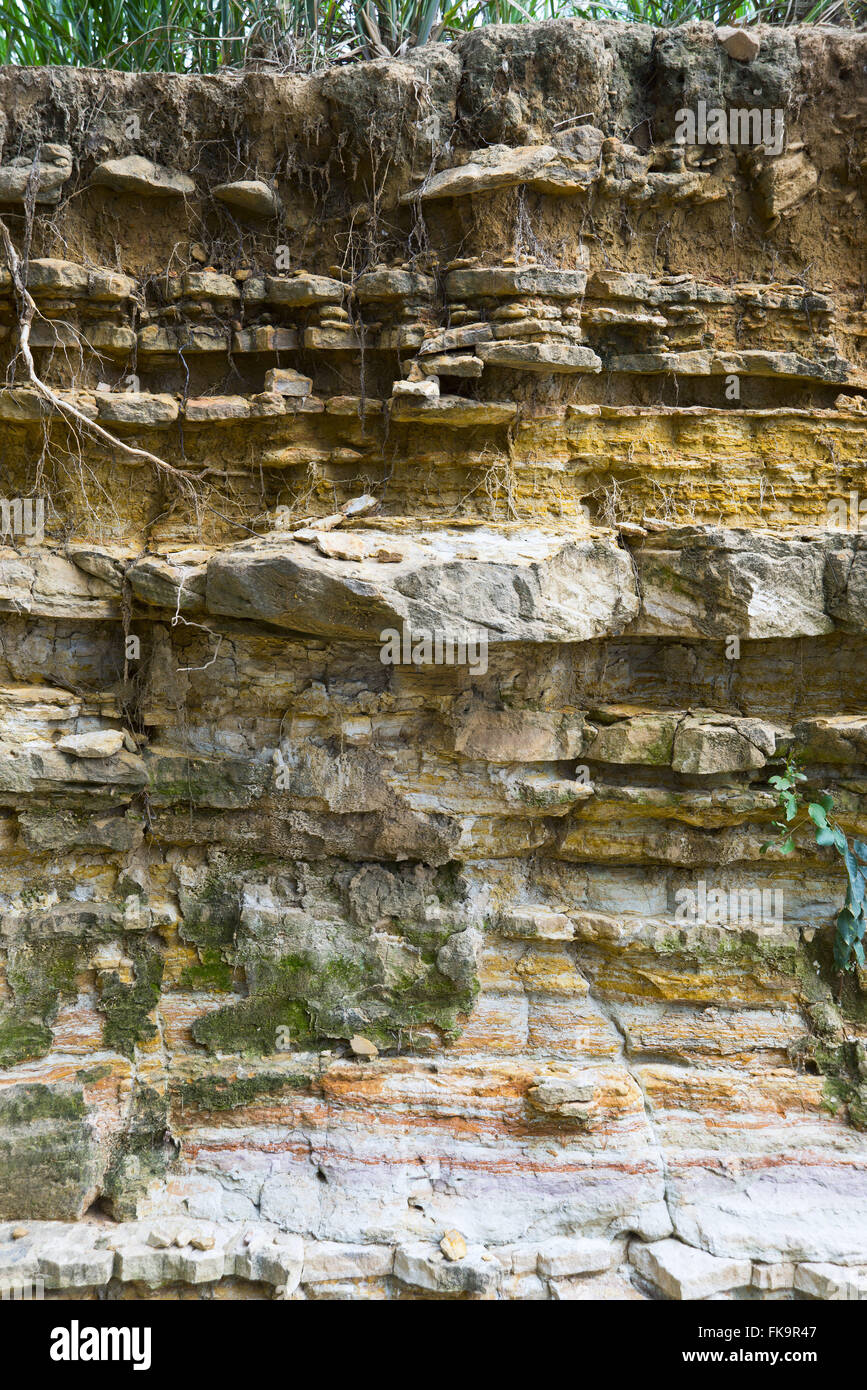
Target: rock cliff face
x,y
315,949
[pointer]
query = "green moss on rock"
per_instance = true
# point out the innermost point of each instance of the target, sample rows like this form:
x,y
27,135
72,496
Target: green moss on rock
x,y
211,912
22,1039
254,1026
26,1105
142,1154
39,975
843,1064
49,1154
127,1006
212,973
229,1093
222,783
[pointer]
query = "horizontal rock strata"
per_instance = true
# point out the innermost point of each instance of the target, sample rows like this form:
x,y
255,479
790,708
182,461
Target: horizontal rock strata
x,y
435,519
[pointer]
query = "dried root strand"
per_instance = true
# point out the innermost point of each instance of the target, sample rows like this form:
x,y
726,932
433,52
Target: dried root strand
x,y
66,409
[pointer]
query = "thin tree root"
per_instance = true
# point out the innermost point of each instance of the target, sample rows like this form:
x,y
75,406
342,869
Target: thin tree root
x,y
65,408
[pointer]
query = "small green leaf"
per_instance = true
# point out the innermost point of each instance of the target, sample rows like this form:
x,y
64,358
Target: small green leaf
x,y
817,814
846,926
841,954
856,880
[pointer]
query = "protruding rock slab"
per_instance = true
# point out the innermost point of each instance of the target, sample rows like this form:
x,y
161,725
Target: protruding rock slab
x,y
53,169
643,739
539,357
426,1267
426,390
177,583
463,364
302,291
454,411
448,339
715,582
504,281
682,1272
529,921
101,743
542,167
325,1260
828,1282
136,408
386,284
797,1210
568,1255
716,743
133,174
531,588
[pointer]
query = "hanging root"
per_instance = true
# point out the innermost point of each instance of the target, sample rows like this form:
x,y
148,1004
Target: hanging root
x,y
66,409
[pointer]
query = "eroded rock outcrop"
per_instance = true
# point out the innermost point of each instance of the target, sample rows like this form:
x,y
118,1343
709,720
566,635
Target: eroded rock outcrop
x,y
388,700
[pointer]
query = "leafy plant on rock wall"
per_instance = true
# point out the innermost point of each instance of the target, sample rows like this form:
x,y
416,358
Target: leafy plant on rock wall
x,y
801,811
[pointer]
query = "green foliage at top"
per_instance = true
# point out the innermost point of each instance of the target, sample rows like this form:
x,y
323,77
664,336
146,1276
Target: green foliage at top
x,y
301,35
800,811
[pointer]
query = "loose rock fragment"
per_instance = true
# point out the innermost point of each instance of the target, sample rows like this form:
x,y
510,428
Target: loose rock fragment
x,y
342,547
453,1245
249,195
99,744
739,43
287,382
